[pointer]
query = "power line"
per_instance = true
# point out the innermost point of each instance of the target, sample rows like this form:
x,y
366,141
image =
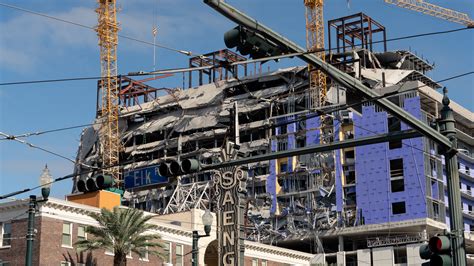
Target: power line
x,y
329,110
9,195
49,80
9,137
37,133
92,28
179,70
317,114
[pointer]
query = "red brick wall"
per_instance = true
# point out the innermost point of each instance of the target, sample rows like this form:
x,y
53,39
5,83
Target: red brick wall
x,y
51,253
16,253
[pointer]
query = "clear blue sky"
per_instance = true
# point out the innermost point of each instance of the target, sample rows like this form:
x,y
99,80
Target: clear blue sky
x,y
33,48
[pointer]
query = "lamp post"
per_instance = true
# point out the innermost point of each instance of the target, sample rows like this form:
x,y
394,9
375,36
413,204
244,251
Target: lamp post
x,y
45,182
207,222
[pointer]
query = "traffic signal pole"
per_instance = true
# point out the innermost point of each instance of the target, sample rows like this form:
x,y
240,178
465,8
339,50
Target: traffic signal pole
x,y
446,125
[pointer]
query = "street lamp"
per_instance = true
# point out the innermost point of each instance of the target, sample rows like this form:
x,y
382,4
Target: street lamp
x,y
207,222
45,182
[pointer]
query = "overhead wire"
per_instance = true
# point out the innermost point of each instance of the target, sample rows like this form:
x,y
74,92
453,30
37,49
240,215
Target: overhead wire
x,y
179,70
93,28
9,137
317,114
37,133
9,195
328,110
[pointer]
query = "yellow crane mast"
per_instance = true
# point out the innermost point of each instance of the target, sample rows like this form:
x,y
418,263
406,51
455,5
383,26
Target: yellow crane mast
x,y
107,31
315,42
435,11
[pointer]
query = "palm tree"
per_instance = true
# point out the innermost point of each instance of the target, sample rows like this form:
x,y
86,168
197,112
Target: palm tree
x,y
122,231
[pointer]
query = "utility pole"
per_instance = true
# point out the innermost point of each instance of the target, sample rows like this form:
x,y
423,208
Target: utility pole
x,y
30,234
446,125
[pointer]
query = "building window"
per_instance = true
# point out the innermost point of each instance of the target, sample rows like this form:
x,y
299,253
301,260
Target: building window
x,y
6,234
65,263
433,168
397,185
67,233
400,255
396,167
167,252
394,125
398,207
254,262
397,182
435,210
282,144
4,263
81,233
264,263
179,255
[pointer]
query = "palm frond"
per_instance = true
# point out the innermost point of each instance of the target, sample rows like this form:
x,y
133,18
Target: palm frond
x,y
123,230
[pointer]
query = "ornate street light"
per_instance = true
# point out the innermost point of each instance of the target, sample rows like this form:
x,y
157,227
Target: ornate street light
x,y
207,219
45,182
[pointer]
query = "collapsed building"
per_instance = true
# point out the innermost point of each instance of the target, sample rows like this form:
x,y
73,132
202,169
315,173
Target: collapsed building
x,y
348,205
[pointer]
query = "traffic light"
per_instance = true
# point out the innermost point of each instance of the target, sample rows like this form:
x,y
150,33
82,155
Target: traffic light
x,y
251,43
95,183
174,168
438,251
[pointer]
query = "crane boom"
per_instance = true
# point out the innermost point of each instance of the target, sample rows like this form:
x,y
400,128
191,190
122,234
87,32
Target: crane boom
x,y
315,42
435,11
107,31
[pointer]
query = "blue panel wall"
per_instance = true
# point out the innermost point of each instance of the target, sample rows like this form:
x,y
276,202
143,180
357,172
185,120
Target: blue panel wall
x,y
373,187
312,135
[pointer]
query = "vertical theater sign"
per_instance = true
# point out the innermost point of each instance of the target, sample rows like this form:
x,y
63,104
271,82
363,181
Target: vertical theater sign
x,y
230,191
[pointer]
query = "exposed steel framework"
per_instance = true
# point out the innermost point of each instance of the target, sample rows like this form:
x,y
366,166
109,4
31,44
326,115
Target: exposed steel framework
x,y
315,42
220,60
435,11
107,31
355,31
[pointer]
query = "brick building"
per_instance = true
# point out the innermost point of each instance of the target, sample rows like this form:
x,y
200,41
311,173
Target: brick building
x,y
61,223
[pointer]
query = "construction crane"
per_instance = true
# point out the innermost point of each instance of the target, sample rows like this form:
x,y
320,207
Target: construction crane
x,y
435,11
317,81
315,43
107,31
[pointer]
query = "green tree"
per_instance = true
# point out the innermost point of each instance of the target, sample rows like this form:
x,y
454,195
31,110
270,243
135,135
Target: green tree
x,y
122,231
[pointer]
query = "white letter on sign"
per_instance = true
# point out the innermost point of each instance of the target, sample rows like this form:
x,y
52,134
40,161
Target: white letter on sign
x,y
228,218
228,258
228,198
228,238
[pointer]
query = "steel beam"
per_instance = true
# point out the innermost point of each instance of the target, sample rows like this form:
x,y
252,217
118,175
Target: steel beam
x,y
335,74
406,134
